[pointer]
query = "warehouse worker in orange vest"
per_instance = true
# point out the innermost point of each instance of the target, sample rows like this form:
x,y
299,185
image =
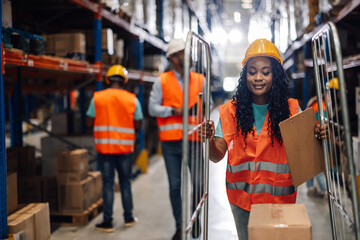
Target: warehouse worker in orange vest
x,y
166,103
116,115
248,129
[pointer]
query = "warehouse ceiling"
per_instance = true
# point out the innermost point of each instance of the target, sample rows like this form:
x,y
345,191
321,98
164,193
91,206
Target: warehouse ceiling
x,y
236,18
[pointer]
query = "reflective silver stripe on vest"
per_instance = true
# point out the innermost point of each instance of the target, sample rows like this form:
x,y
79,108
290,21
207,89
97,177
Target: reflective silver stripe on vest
x,y
267,188
114,141
241,167
261,188
273,167
265,166
240,186
113,129
175,126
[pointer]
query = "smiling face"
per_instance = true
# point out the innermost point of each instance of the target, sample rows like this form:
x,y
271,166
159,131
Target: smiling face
x,y
259,79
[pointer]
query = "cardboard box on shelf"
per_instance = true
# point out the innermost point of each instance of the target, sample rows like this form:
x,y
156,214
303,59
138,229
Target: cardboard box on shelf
x,y
22,224
41,214
70,45
279,222
72,166
76,197
12,192
6,14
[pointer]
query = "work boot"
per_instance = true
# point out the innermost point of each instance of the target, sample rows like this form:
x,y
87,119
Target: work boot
x,y
177,235
131,221
105,227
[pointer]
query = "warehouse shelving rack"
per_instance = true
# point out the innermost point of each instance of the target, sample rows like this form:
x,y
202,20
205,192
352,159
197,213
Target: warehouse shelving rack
x,y
302,45
18,65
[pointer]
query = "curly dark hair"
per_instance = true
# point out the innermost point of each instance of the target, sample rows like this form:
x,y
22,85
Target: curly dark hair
x,y
278,104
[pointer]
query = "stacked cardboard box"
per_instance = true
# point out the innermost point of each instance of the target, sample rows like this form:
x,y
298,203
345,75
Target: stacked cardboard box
x,y
77,188
51,146
72,166
22,161
31,222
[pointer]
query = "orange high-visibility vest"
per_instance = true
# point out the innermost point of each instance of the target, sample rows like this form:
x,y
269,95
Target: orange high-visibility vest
x,y
114,128
260,172
171,128
316,106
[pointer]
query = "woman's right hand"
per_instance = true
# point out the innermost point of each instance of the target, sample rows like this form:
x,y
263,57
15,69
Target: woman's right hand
x,y
206,130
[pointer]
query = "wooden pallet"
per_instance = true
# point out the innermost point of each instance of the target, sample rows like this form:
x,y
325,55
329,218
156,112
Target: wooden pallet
x,y
76,219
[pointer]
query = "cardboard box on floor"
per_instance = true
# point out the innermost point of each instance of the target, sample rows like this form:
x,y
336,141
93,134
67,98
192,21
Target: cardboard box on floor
x,y
76,197
41,219
31,222
279,222
22,225
303,150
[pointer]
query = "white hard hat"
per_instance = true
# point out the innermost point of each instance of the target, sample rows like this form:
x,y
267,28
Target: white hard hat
x,y
175,45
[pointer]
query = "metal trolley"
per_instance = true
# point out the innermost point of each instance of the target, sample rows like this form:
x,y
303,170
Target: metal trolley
x,y
195,165
337,146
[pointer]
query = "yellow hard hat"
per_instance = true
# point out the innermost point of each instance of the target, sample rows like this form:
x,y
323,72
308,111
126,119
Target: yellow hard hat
x,y
262,47
116,70
333,83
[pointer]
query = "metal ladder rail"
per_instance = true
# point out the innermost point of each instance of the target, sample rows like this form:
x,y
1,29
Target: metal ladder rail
x,y
202,45
324,43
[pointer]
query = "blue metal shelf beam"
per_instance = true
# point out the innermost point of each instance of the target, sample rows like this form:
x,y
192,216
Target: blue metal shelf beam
x,y
3,190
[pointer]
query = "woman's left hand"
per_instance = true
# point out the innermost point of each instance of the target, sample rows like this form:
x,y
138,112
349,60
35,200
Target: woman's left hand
x,y
321,132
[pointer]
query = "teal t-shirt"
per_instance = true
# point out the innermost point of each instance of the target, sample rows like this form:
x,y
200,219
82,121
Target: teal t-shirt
x,y
259,111
138,115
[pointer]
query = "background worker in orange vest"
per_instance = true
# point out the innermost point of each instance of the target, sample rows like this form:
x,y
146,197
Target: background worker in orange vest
x,y
166,103
248,129
116,115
